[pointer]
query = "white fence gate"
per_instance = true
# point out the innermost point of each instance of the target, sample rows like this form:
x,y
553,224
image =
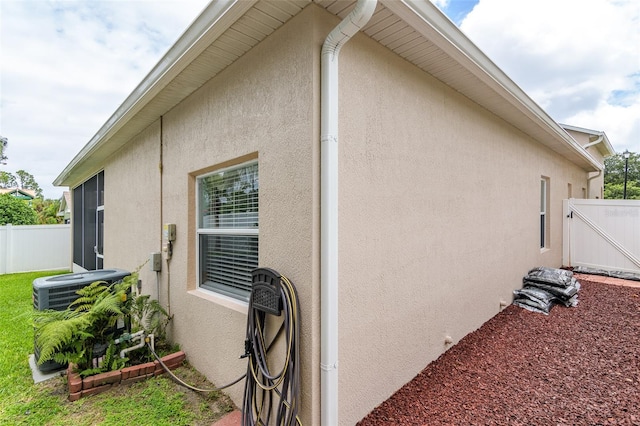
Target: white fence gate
x,y
602,234
28,248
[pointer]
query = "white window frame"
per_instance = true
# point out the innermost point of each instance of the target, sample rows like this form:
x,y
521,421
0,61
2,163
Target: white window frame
x,y
99,254
228,292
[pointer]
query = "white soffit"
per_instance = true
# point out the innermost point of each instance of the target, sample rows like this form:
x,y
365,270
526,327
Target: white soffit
x,y
414,29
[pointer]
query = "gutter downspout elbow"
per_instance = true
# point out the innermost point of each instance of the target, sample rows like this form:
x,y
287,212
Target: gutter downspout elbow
x,y
337,38
589,179
596,142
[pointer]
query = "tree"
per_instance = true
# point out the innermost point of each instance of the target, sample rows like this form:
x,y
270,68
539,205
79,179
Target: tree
x,y
16,211
47,211
3,146
615,191
22,180
27,181
7,180
614,177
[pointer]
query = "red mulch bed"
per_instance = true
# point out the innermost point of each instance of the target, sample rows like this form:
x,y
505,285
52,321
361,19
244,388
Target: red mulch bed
x,y
577,366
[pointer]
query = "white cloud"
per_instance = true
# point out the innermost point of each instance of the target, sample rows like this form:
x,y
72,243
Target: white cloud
x,y
578,59
67,66
442,4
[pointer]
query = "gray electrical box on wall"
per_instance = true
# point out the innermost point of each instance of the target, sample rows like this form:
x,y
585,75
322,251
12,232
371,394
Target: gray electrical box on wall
x,y
156,261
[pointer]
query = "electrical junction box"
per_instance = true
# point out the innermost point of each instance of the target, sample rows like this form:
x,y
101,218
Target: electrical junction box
x,y
156,261
169,232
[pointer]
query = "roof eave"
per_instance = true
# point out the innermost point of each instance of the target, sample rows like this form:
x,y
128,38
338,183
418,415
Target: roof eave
x,y
433,24
606,149
212,22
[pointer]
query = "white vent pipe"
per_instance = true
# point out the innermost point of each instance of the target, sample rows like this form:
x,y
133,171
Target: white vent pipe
x,y
340,35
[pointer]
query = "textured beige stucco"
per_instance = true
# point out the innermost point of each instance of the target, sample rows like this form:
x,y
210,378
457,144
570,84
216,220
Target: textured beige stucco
x,y
132,222
261,107
439,219
439,209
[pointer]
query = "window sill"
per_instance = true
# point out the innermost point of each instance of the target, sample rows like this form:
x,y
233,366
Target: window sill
x,y
222,300
544,250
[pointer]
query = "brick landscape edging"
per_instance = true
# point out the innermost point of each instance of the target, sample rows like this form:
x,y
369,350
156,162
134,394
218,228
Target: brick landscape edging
x,y
91,385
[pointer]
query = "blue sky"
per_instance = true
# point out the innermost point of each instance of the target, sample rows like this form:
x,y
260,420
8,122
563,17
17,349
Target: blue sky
x,y
457,10
66,65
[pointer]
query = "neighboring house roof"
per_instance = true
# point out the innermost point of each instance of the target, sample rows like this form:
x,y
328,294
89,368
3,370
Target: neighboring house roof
x,y
65,205
597,138
414,29
25,194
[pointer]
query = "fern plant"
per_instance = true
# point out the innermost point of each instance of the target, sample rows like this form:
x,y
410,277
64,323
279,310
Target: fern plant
x,y
71,335
87,327
147,314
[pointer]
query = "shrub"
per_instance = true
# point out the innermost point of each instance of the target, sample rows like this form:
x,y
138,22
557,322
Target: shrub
x,y
16,211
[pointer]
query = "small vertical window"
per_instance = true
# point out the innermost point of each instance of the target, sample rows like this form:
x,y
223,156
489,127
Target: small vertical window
x,y
569,191
228,230
544,210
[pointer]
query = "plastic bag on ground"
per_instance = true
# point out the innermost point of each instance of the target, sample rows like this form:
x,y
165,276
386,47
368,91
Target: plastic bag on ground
x,y
534,299
544,286
563,293
530,307
550,276
615,274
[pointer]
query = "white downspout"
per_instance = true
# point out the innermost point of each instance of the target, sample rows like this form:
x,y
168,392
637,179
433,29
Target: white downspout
x,y
589,179
340,35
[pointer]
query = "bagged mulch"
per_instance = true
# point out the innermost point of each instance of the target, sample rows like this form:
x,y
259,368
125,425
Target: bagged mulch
x,y
551,276
534,299
543,287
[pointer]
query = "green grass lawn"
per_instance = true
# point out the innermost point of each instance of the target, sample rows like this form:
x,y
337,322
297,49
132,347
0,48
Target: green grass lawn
x,y
156,401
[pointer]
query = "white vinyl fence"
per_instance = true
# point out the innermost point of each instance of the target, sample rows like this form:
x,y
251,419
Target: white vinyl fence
x,y
602,234
34,248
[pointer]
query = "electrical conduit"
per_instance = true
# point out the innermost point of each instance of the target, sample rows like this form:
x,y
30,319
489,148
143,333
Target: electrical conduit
x,y
337,38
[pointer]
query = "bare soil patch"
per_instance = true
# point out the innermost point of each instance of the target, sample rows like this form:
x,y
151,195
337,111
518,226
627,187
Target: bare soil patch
x,y
577,366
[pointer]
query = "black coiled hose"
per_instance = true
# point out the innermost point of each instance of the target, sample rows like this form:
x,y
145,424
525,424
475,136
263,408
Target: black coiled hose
x,y
273,398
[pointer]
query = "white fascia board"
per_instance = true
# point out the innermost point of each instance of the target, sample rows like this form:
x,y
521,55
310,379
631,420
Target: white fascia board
x,y
581,129
216,18
607,146
429,21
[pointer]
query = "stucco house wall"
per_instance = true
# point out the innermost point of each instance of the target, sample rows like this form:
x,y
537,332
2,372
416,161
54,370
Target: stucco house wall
x,y
262,106
247,112
439,219
439,208
133,207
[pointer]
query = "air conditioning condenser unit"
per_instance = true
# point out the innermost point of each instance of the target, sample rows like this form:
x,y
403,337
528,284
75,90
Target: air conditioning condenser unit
x,y
59,291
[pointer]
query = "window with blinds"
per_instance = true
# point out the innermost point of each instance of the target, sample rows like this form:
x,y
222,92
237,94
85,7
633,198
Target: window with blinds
x,y
228,230
544,205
